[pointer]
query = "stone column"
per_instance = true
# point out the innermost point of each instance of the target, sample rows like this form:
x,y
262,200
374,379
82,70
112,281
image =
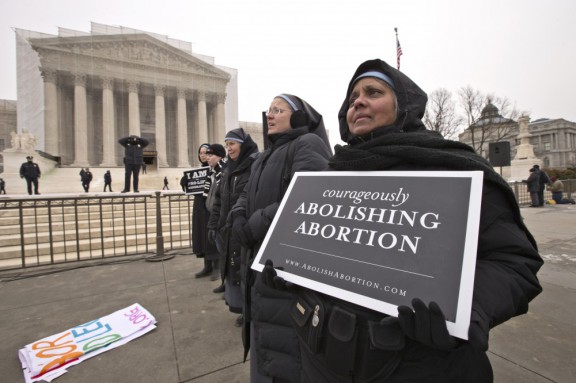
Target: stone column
x,y
51,133
220,119
109,141
161,127
80,121
182,127
202,120
525,157
133,109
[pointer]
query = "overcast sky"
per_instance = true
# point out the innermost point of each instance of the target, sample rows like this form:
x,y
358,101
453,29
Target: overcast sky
x,y
524,50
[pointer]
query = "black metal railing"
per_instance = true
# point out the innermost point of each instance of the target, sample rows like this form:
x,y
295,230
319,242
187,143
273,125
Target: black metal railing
x,y
47,230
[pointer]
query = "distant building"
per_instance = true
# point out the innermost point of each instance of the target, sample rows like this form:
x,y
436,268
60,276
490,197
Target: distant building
x,y
254,129
7,125
79,92
554,141
7,122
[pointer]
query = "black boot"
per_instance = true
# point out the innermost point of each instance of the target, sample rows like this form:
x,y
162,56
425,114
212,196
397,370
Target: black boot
x,y
215,271
207,270
219,289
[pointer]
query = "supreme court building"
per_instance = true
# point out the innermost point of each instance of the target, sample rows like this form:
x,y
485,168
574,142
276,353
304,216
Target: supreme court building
x,y
79,92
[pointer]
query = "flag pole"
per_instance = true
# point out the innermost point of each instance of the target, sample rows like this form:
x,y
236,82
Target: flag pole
x,y
398,49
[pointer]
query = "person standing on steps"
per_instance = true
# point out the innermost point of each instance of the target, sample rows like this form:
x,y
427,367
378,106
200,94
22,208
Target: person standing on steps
x,y
165,184
133,157
31,172
108,180
86,178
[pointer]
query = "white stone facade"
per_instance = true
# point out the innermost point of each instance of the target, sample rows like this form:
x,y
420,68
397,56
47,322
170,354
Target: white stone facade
x,y
78,93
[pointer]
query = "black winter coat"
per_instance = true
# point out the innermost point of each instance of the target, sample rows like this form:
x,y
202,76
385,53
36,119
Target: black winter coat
x,y
133,149
211,186
507,256
533,182
199,218
233,180
302,149
30,170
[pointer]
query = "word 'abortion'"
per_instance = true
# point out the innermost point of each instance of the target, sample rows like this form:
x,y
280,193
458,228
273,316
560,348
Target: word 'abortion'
x,y
367,237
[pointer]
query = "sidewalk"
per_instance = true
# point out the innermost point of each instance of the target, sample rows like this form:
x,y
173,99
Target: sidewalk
x,y
196,340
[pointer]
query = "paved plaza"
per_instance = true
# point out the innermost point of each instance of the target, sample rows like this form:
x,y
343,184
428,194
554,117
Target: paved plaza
x,y
196,340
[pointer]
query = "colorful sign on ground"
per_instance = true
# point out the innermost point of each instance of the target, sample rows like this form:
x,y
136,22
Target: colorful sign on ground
x,y
48,358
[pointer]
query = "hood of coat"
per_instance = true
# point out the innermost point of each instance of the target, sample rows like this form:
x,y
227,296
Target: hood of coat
x,y
411,101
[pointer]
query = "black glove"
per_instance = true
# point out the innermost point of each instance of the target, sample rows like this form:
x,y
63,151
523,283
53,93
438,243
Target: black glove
x,y
242,232
238,226
426,325
271,279
212,236
478,331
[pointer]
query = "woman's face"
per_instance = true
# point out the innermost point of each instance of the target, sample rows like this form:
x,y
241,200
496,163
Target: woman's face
x,y
213,160
202,154
233,149
372,105
278,116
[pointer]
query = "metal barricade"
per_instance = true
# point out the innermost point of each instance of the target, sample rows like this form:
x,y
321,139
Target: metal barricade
x,y
44,230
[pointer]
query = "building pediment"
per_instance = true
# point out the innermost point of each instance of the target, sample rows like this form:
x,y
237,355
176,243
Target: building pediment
x,y
127,49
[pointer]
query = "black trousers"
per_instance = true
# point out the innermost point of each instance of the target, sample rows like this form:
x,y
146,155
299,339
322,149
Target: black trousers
x,y
32,181
541,197
131,171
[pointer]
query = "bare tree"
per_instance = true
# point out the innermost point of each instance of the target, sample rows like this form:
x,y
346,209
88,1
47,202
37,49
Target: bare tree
x,y
441,114
489,118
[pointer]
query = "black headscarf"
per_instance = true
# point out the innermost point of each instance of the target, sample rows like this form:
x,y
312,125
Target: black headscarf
x,y
207,146
407,143
411,103
247,148
304,119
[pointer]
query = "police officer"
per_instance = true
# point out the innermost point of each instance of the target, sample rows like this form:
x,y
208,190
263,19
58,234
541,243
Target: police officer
x,y
31,172
133,156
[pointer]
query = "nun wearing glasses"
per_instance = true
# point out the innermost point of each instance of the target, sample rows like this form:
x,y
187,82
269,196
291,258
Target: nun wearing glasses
x,y
299,142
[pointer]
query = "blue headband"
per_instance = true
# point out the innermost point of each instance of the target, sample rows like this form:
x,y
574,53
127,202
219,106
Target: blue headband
x,y
378,75
290,102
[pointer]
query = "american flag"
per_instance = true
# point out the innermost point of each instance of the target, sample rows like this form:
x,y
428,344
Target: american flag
x,y
398,52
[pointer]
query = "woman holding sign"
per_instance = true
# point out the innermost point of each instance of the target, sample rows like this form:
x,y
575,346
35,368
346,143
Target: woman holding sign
x,y
299,143
199,219
380,120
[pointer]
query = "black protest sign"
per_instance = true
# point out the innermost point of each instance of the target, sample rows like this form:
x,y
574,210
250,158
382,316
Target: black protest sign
x,y
195,180
380,239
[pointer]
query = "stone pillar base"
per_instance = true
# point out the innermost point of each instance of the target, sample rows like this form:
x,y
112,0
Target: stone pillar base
x,y
520,169
108,164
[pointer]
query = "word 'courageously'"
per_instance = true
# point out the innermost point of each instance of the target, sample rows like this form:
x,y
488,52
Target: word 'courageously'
x,y
357,196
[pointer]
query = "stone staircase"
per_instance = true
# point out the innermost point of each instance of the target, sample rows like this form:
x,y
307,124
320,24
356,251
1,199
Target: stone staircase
x,y
40,230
